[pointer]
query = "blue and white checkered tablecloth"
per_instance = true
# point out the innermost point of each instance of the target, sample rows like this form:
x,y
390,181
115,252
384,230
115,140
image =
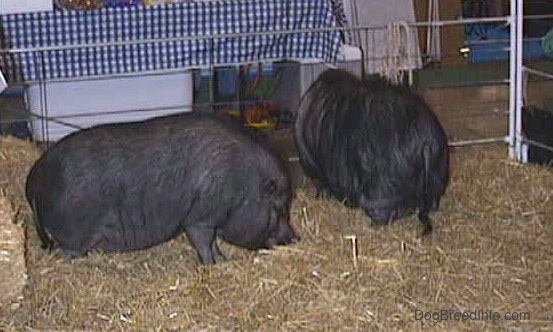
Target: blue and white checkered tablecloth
x,y
81,43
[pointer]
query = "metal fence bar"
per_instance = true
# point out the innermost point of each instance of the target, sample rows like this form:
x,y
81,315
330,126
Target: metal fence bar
x,y
514,137
519,98
538,144
538,73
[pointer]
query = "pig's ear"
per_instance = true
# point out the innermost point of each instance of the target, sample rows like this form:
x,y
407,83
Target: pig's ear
x,y
269,187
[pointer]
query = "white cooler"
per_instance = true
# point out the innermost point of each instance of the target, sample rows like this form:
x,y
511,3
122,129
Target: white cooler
x,y
68,106
25,6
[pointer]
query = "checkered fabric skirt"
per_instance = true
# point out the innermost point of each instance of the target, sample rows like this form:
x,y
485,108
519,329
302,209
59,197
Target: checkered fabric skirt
x,y
110,41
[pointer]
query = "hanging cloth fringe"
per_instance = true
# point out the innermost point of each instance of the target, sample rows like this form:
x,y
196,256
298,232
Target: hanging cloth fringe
x,y
391,63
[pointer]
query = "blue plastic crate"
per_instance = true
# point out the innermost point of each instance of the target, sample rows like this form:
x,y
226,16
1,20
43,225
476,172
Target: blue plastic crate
x,y
490,42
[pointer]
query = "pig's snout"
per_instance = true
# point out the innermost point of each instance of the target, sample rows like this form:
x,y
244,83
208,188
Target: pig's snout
x,y
284,235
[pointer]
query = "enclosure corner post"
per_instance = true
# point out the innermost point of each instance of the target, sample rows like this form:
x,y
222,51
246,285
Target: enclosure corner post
x,y
519,80
515,81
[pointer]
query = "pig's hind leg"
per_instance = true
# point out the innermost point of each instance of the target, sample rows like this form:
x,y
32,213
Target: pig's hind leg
x,y
217,251
204,241
67,253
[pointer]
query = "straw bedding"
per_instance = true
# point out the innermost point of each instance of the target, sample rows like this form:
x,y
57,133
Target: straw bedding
x,y
490,251
13,272
15,158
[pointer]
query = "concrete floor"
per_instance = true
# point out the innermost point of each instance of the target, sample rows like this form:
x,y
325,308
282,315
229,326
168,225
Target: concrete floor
x,y
477,112
471,112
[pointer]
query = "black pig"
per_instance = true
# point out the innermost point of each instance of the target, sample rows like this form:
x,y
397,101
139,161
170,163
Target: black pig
x,y
538,126
129,186
374,145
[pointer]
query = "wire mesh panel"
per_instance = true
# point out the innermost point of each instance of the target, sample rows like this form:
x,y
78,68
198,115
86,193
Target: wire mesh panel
x,y
250,59
114,64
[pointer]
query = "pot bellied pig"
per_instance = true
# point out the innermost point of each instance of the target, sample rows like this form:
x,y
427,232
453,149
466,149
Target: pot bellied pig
x,y
374,145
129,186
538,127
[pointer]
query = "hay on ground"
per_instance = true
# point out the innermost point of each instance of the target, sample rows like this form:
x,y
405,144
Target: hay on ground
x,y
13,272
490,251
15,158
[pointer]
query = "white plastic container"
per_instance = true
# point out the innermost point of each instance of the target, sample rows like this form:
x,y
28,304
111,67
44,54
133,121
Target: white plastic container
x,y
25,6
64,107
